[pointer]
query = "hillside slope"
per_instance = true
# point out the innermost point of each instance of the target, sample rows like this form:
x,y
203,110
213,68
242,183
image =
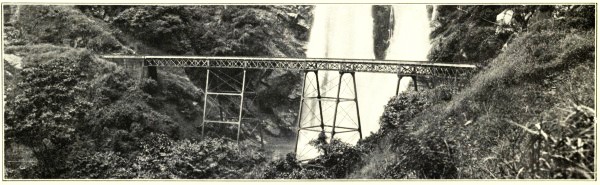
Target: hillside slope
x,y
528,114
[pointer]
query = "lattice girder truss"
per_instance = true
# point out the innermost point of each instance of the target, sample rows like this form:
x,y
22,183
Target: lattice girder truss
x,y
401,67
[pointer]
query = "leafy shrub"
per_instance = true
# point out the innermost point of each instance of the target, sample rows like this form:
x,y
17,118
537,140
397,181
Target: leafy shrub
x,y
19,161
150,86
110,87
414,156
104,42
131,116
62,25
561,148
122,115
402,109
281,168
176,88
579,17
51,100
157,25
411,154
211,158
91,164
214,30
13,36
571,154
336,160
161,157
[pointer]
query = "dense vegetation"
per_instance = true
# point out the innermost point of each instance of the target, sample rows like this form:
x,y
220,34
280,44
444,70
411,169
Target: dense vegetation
x,y
528,113
98,121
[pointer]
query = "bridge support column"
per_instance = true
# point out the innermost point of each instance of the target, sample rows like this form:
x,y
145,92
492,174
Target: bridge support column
x,y
314,124
357,110
223,90
153,73
337,104
414,79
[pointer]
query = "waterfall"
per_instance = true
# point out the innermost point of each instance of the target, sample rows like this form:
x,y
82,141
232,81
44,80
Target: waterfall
x,y
338,31
410,40
346,31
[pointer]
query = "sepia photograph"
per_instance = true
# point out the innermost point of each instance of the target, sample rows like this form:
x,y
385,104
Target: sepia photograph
x,y
258,91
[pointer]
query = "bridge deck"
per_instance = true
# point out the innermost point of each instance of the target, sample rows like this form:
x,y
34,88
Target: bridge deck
x,y
402,67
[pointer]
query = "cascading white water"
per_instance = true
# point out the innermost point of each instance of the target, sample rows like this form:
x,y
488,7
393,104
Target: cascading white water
x,y
410,40
338,31
346,31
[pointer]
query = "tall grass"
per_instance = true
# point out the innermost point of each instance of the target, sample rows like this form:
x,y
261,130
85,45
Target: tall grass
x,y
516,119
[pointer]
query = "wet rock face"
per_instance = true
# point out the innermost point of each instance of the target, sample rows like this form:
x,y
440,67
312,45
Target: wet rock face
x,y
287,115
383,28
272,128
278,96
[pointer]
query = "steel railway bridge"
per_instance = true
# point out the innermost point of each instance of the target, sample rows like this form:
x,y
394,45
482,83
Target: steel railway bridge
x,y
313,93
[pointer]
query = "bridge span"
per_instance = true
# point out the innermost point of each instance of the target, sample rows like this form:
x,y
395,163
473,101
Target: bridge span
x,y
310,117
402,67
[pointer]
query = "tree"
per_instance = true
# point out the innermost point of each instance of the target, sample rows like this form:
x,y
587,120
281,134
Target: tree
x,y
51,100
